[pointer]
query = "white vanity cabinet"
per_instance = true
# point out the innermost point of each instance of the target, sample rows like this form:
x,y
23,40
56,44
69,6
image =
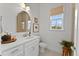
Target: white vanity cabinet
x,y
24,47
32,49
15,51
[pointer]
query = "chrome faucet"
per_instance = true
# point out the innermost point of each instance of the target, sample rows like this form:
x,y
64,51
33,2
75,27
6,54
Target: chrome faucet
x,y
29,33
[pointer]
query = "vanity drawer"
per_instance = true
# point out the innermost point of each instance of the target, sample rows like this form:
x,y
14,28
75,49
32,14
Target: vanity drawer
x,y
14,51
33,42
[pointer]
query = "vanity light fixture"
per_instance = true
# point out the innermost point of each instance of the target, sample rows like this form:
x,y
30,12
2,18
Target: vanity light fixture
x,y
25,6
22,5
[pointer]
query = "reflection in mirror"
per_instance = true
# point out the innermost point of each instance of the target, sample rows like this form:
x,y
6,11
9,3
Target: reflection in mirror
x,y
22,25
23,19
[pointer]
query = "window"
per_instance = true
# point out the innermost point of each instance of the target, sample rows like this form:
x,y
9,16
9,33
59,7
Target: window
x,y
56,18
56,22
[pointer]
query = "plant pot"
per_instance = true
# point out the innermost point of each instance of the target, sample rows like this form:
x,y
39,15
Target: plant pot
x,y
67,51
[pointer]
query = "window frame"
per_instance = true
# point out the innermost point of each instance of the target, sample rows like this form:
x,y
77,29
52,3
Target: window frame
x,y
52,21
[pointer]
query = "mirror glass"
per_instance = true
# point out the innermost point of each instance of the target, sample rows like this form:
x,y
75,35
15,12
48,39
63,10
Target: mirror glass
x,y
23,22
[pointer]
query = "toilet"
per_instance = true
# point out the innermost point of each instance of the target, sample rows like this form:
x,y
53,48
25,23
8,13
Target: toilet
x,y
43,46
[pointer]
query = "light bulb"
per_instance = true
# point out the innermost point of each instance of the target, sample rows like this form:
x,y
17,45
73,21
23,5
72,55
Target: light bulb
x,y
22,5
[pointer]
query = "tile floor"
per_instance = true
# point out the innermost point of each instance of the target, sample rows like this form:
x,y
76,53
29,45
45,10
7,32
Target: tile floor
x,y
49,53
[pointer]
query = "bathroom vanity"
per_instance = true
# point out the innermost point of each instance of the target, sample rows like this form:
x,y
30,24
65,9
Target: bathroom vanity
x,y
23,46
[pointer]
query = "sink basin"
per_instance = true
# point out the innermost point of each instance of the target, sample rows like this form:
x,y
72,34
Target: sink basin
x,y
28,37
24,36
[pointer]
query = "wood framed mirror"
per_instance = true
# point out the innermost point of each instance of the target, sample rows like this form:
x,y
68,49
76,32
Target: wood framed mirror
x,y
22,21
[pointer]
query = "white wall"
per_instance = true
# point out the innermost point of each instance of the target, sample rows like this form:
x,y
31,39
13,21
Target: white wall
x,y
35,8
52,38
8,11
35,12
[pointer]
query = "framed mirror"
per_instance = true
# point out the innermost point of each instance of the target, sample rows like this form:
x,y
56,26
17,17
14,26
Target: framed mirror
x,y
22,22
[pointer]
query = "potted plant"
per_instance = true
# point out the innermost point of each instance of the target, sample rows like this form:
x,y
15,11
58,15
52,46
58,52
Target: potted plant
x,y
67,47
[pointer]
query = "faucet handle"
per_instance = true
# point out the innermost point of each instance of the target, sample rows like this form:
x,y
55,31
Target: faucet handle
x,y
29,33
24,35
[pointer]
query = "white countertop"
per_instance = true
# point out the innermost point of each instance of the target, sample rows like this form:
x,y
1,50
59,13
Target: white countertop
x,y
19,41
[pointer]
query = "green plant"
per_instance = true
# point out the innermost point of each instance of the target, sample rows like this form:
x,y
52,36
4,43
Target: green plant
x,y
67,44
67,47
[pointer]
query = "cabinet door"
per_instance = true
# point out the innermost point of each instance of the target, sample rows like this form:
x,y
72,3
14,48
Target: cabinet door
x,y
14,51
29,50
32,49
35,51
